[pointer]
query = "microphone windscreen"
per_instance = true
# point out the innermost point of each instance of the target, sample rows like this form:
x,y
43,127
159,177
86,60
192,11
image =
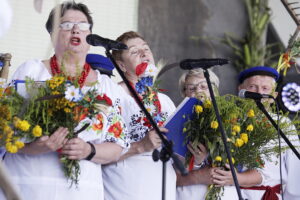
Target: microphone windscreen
x,y
242,93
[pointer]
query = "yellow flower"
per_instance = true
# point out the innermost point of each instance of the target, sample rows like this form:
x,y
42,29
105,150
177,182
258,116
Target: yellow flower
x,y
19,144
198,109
233,133
232,159
1,91
184,130
218,158
37,131
250,127
207,104
23,125
232,150
239,142
244,137
11,148
214,124
67,110
7,129
236,128
229,140
16,121
251,113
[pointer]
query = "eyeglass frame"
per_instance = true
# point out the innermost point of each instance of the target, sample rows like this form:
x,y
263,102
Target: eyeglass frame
x,y
195,86
61,25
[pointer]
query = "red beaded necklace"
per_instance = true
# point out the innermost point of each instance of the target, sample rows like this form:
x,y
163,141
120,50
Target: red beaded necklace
x,y
81,80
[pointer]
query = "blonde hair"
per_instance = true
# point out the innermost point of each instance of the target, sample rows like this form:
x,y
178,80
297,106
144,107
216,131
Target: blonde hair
x,y
200,73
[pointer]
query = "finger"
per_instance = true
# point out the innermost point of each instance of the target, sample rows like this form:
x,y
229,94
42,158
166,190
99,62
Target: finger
x,y
163,129
223,172
59,133
201,147
220,182
43,138
191,149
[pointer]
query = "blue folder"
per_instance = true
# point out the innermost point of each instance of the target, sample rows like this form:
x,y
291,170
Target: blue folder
x,y
175,124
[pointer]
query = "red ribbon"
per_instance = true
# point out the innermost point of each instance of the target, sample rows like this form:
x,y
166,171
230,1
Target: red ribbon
x,y
270,193
191,164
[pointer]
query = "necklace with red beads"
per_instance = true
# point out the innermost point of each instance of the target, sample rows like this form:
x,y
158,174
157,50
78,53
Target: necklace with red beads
x,y
81,79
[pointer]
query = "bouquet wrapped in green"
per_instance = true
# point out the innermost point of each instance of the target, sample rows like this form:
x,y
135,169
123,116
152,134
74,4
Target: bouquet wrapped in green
x,y
247,130
57,102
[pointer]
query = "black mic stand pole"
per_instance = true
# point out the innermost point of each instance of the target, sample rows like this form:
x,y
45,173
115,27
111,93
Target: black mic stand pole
x,y
167,149
263,109
221,129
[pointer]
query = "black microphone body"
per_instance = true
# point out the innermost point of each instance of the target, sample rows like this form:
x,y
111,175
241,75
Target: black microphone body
x,y
96,40
204,63
253,95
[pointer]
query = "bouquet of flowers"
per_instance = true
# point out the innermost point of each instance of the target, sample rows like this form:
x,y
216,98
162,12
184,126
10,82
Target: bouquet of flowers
x,y
51,104
147,90
248,131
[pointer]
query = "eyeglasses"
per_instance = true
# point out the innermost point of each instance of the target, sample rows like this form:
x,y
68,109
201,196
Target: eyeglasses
x,y
67,26
193,87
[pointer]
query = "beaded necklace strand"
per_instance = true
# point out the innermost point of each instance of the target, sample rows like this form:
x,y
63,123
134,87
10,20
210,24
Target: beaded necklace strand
x,y
56,70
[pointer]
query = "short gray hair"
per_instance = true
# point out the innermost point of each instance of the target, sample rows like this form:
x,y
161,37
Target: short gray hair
x,y
197,72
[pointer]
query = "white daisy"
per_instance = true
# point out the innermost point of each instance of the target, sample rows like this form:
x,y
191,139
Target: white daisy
x,y
73,94
151,70
150,108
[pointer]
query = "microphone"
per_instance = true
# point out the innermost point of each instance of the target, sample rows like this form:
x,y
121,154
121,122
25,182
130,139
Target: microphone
x,y
96,40
253,95
204,63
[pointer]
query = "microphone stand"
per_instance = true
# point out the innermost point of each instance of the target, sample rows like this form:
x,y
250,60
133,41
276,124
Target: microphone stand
x,y
263,109
221,129
167,147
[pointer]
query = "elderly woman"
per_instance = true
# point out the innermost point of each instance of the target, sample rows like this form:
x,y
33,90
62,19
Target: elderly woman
x,y
194,185
36,170
136,176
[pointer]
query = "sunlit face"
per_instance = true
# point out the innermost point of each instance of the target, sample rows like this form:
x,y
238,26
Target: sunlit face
x,y
196,86
73,40
137,53
259,84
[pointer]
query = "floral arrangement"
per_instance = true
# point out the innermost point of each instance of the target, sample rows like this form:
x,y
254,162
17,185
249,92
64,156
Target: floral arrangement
x,y
147,90
51,104
287,59
247,130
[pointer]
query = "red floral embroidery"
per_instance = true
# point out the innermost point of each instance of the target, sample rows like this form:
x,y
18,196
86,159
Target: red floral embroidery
x,y
140,69
146,122
98,126
116,129
104,98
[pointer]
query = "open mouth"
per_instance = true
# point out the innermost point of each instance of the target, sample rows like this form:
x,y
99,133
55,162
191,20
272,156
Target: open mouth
x,y
75,41
145,61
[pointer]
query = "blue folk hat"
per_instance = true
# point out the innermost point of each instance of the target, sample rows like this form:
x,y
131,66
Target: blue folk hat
x,y
101,63
258,70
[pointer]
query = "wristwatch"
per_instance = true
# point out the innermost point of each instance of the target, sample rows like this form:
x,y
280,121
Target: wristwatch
x,y
93,151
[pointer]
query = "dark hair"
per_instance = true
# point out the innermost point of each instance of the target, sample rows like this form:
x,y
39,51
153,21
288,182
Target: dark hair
x,y
68,5
124,38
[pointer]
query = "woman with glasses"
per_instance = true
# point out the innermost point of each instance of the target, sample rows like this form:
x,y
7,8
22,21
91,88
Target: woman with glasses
x,y
36,170
193,186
